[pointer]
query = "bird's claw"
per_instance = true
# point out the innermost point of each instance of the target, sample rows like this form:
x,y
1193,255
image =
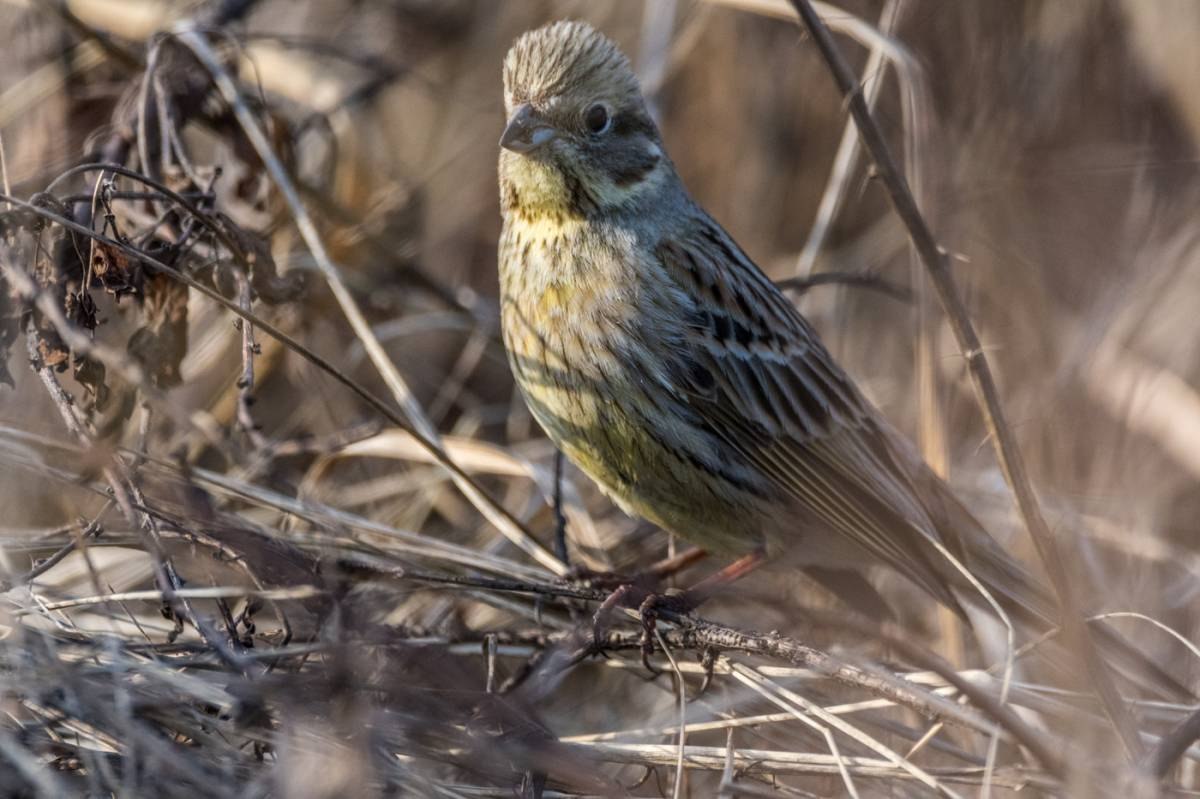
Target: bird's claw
x,y
708,662
648,612
649,618
649,605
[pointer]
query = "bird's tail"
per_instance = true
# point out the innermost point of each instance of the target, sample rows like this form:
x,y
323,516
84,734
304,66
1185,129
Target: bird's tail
x,y
1032,609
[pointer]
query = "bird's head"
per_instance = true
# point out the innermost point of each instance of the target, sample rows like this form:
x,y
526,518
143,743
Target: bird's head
x,y
579,140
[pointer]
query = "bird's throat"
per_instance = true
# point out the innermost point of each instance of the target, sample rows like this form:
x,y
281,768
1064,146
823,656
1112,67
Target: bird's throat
x,y
536,191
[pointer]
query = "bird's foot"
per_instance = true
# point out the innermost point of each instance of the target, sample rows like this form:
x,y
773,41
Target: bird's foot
x,y
677,602
639,593
708,662
649,605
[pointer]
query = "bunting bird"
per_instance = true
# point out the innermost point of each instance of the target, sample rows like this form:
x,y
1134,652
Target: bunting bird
x,y
672,371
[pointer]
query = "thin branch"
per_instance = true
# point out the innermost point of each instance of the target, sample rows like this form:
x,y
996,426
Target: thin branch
x,y
214,592
847,154
801,285
767,762
245,383
90,530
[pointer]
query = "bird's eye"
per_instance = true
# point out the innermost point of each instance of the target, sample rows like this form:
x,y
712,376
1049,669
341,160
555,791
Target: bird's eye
x,y
597,119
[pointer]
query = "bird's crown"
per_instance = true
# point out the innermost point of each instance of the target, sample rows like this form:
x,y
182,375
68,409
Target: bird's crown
x,y
562,58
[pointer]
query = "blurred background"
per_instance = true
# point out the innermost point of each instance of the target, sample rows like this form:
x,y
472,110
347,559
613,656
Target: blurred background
x,y
1053,148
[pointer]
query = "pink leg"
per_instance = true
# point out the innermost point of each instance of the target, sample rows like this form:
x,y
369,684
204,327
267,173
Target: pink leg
x,y
650,603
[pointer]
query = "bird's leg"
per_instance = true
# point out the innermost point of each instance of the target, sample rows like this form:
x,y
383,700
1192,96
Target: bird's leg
x,y
708,661
560,520
647,578
686,601
627,591
623,596
650,604
668,566
728,575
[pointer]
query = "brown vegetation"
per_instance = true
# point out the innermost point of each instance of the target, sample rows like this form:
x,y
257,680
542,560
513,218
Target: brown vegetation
x,y
277,523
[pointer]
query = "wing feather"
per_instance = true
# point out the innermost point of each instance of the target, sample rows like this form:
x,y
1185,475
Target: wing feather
x,y
752,371
781,402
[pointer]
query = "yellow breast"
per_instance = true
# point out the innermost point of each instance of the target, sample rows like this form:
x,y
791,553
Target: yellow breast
x,y
570,322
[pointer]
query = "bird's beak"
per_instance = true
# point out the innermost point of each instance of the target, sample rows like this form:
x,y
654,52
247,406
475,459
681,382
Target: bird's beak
x,y
526,131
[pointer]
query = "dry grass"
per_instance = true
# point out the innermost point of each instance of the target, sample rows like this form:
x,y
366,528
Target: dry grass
x,y
278,524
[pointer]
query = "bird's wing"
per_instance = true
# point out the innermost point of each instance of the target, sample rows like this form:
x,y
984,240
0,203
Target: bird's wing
x,y
756,373
753,369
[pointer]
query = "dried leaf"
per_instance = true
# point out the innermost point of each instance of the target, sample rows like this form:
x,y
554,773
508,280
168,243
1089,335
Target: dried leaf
x,y
81,309
53,352
160,344
91,374
116,271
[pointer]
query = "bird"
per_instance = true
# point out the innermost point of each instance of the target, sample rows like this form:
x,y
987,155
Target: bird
x,y
670,369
